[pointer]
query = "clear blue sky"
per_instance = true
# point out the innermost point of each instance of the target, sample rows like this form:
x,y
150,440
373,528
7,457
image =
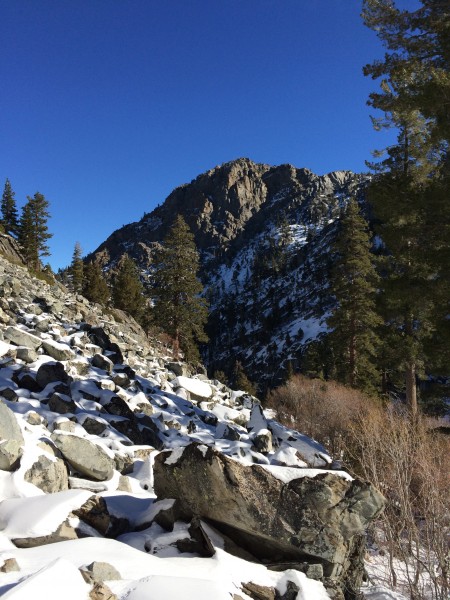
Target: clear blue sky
x,y
107,105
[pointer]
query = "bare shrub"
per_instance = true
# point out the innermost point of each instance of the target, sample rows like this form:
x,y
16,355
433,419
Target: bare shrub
x,y
410,465
321,409
404,458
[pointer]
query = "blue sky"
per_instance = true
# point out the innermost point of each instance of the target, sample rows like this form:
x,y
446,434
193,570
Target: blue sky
x,y
107,105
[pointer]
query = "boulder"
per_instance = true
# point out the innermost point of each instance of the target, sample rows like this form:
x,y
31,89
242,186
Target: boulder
x,y
51,372
9,394
57,350
84,456
61,403
9,566
20,337
28,355
100,571
9,427
198,390
102,362
26,380
99,336
10,454
178,368
48,475
275,513
95,513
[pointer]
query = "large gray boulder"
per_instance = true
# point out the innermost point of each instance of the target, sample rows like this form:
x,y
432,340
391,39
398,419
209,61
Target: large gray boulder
x,y
21,337
11,439
278,514
85,457
9,427
57,350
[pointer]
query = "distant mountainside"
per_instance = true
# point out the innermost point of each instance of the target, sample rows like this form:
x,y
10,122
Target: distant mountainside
x,y
264,234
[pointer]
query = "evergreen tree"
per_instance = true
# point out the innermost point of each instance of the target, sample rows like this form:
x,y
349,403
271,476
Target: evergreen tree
x,y
417,64
411,182
33,231
77,268
10,218
179,309
354,320
127,289
241,381
95,288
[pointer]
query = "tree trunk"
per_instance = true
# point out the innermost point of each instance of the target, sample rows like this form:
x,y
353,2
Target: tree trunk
x,y
411,388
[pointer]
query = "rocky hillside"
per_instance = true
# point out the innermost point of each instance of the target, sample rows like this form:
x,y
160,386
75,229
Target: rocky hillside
x,y
264,236
125,475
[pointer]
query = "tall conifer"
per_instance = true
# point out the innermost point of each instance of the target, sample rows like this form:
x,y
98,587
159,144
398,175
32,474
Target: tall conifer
x,y
33,230
77,268
179,308
127,289
354,320
10,217
95,288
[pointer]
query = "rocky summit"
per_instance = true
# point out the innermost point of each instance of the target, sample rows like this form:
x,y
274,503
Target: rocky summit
x,y
124,474
264,235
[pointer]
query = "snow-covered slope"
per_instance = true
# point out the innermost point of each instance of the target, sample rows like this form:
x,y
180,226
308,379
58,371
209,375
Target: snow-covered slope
x,y
86,404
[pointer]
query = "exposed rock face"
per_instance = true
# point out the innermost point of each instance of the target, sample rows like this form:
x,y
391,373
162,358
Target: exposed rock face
x,y
316,519
9,248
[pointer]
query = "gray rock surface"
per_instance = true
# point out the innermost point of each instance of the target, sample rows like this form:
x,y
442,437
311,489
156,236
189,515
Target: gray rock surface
x,y
48,475
314,519
10,454
9,427
85,457
22,338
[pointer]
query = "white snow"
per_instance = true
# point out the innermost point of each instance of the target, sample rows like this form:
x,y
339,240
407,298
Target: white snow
x,y
288,474
195,386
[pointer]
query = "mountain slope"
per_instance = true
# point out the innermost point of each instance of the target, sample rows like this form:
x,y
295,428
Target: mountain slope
x,y
264,235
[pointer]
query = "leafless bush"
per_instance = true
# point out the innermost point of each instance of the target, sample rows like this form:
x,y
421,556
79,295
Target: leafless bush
x,y
321,409
403,457
410,465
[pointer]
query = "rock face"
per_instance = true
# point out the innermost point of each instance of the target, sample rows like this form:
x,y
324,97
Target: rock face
x,y
312,519
10,249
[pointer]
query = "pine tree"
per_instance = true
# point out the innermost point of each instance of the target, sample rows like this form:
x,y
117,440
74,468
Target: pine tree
x,y
417,64
33,231
410,183
127,289
77,268
95,288
179,309
241,381
354,320
10,218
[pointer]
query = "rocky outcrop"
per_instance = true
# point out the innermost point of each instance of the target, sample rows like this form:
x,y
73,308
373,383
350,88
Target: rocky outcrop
x,y
9,248
277,514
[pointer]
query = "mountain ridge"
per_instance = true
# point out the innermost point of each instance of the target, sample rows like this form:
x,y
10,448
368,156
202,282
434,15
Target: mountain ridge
x,y
239,213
